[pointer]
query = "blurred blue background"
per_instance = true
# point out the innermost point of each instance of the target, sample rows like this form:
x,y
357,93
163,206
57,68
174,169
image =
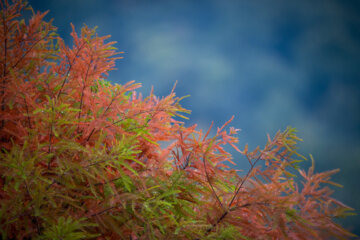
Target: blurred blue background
x,y
269,63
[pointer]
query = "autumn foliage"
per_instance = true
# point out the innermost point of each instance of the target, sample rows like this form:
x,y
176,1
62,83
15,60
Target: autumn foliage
x,y
82,158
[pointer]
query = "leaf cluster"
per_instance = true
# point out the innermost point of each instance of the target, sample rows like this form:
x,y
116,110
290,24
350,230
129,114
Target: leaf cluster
x,y
82,158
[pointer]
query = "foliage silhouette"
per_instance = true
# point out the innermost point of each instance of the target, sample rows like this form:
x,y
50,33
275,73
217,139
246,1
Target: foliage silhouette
x,y
81,158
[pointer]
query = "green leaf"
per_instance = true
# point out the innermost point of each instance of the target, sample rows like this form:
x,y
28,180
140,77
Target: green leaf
x,y
108,191
55,132
168,193
57,88
11,104
38,110
129,168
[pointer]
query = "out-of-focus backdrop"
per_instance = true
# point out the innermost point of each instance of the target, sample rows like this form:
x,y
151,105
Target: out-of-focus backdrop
x,y
269,63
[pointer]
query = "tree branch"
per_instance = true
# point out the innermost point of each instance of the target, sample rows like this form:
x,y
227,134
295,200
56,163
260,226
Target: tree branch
x,y
212,188
70,67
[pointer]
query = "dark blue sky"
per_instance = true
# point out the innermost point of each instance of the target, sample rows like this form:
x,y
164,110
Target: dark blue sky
x,y
269,63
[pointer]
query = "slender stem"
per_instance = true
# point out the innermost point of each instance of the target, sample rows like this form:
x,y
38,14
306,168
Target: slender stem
x,y
187,162
4,68
51,132
239,186
91,133
212,188
83,89
111,102
218,221
107,108
242,181
28,51
82,92
5,71
32,208
69,171
102,211
81,101
110,181
27,113
70,67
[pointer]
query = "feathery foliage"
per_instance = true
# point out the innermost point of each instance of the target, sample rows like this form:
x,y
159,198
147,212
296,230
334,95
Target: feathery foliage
x,y
80,157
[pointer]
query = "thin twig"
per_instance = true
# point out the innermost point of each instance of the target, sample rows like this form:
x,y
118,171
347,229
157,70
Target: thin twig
x,y
69,171
27,113
134,115
4,69
242,180
51,131
82,92
32,208
70,67
111,102
208,179
29,50
103,211
187,162
83,89
238,187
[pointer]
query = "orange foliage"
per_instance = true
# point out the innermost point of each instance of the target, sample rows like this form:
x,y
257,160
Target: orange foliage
x,y
82,158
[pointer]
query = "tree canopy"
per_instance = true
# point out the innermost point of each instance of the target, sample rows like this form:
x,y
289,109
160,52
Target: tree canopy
x,y
82,158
